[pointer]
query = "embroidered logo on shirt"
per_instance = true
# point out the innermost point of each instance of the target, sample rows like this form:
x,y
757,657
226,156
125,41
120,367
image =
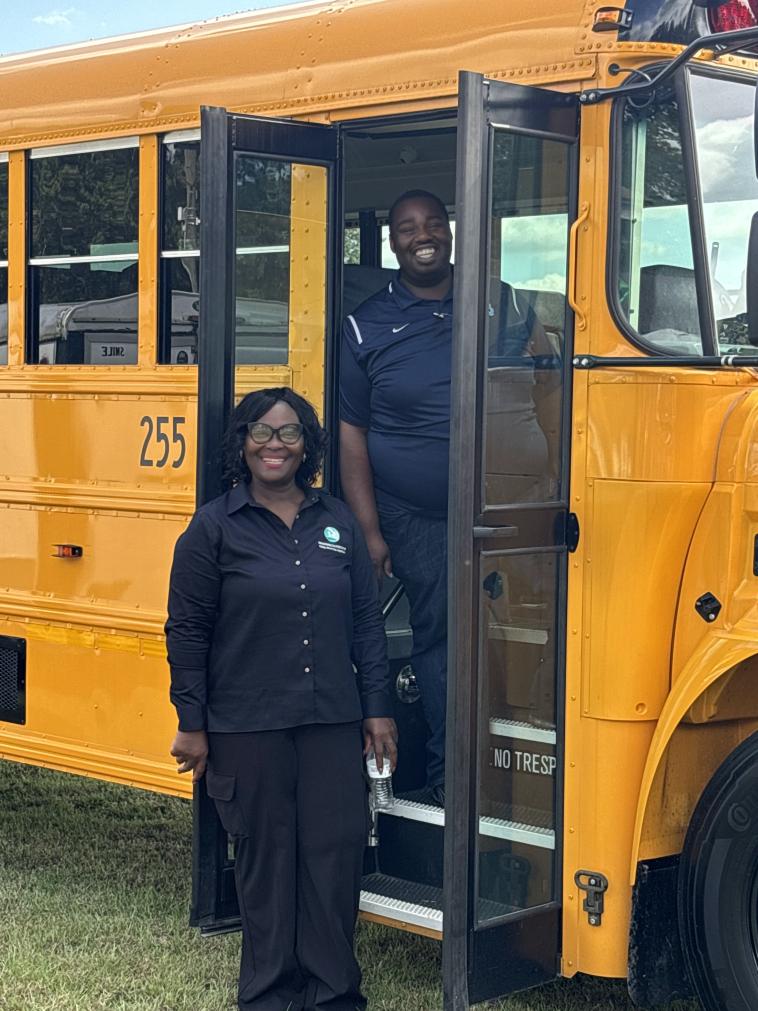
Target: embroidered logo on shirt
x,y
397,329
332,534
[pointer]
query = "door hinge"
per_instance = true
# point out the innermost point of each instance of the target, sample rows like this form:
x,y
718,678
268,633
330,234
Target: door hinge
x,y
572,531
595,885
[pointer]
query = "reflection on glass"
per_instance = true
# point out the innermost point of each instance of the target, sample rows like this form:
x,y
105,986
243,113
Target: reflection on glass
x,y
656,278
517,761
85,204
3,267
3,210
181,196
3,315
180,233
262,270
180,308
85,313
723,112
526,320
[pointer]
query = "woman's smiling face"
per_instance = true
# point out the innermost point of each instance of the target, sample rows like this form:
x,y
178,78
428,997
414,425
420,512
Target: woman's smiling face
x,y
274,463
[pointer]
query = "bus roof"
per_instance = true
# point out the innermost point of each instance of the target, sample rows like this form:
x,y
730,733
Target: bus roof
x,y
312,59
320,59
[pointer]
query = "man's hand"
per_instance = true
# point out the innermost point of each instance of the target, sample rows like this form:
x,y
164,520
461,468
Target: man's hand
x,y
379,553
190,749
380,736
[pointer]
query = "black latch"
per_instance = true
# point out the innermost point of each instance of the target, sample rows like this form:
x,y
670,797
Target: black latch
x,y
572,531
708,607
595,885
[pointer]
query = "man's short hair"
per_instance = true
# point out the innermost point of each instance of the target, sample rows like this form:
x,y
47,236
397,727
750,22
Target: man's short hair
x,y
417,195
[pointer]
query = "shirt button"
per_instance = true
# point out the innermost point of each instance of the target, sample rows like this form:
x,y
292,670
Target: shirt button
x,y
307,670
305,614
305,642
302,586
297,541
297,562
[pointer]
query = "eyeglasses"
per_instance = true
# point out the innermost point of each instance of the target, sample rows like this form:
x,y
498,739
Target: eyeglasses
x,y
288,434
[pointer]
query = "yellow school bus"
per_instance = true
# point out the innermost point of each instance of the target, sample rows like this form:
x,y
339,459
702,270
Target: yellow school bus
x,y
187,214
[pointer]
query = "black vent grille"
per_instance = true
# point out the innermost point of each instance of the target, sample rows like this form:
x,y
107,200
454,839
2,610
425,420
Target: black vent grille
x,y
12,679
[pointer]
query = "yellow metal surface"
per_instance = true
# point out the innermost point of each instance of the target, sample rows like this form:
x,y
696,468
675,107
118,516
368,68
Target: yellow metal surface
x,y
16,256
305,64
147,338
308,279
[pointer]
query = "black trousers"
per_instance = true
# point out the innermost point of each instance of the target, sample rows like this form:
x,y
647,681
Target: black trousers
x,y
295,802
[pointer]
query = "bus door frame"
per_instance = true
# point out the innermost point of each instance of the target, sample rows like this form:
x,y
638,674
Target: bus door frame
x,y
522,949
223,134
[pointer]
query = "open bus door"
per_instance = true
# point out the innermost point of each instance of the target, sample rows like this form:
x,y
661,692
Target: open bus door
x,y
268,208
510,531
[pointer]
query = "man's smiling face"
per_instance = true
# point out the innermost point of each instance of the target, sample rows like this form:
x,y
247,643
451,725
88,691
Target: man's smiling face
x,y
421,239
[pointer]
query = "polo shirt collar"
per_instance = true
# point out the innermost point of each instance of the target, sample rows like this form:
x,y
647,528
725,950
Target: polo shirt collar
x,y
240,496
404,298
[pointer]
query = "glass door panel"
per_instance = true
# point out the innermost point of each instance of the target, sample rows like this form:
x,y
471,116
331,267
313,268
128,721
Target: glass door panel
x,y
267,192
526,319
517,164
517,735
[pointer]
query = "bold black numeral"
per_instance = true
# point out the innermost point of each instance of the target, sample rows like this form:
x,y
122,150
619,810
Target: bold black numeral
x,y
178,438
144,460
158,427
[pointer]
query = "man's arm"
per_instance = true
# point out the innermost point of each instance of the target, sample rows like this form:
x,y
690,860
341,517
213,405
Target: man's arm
x,y
358,487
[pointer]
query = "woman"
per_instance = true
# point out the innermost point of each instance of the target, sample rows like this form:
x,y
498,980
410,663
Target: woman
x,y
271,603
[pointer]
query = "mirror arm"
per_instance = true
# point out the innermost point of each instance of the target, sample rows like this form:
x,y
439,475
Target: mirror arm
x,y
751,282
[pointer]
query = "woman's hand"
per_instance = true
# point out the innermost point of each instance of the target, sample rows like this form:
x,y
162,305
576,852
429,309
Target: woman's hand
x,y
190,749
380,736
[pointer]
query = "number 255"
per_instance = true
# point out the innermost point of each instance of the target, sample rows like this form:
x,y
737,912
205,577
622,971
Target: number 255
x,y
157,439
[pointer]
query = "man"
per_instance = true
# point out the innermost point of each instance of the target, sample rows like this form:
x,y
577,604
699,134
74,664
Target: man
x,y
395,432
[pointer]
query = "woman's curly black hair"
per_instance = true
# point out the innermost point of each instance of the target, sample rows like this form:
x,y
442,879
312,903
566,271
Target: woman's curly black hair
x,y
254,406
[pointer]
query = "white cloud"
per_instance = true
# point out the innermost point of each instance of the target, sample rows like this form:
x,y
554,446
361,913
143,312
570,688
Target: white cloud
x,y
56,17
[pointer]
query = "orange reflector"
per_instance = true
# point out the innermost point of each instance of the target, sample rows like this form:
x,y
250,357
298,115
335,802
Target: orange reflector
x,y
67,551
612,19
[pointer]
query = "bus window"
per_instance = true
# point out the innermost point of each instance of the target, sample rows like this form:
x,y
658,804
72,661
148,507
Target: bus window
x,y
262,271
723,114
3,259
83,255
180,251
656,276
262,201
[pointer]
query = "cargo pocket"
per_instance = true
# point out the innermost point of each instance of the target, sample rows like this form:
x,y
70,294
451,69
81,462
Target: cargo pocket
x,y
222,790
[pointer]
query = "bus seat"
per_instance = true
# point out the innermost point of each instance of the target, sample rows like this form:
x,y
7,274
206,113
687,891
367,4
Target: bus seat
x,y
668,299
360,282
549,307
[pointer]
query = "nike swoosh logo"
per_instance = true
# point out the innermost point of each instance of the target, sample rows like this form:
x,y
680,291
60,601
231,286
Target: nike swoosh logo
x,y
397,329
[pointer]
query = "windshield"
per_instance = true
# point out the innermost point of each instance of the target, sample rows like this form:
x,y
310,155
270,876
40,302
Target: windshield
x,y
723,115
656,283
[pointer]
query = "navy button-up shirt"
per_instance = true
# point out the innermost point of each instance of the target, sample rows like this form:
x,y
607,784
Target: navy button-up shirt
x,y
395,382
266,622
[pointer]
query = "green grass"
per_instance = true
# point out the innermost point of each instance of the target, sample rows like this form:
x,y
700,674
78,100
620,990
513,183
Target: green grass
x,y
94,892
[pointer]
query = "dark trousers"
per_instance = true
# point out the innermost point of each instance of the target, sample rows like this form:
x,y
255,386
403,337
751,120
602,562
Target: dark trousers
x,y
418,545
295,802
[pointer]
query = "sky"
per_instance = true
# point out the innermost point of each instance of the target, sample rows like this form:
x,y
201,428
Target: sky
x,y
39,24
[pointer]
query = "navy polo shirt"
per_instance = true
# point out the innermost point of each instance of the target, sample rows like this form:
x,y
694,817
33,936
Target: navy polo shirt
x,y
266,622
395,382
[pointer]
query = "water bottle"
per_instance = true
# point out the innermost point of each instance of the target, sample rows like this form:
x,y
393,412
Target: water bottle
x,y
382,796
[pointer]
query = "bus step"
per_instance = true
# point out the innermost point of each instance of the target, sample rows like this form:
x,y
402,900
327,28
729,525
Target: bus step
x,y
388,898
394,899
521,824
518,730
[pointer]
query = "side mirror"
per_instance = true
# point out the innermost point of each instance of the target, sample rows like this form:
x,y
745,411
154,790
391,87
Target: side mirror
x,y
751,282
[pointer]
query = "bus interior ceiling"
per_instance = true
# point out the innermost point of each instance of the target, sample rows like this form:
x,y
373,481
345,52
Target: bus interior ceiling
x,y
384,160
